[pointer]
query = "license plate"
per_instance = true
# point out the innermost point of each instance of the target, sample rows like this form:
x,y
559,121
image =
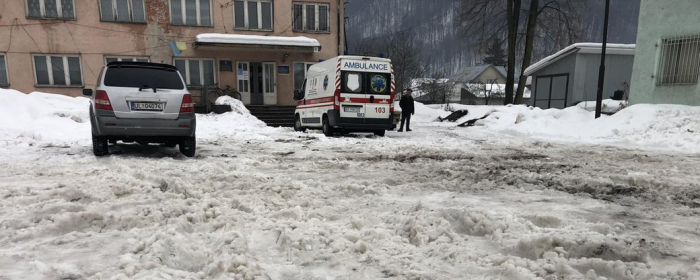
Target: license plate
x,y
352,109
146,106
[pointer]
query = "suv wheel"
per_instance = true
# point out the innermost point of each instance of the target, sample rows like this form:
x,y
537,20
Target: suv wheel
x,y
99,146
380,133
188,146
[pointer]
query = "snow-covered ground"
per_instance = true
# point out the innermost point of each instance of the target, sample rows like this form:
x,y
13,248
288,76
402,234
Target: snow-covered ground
x,y
659,127
495,201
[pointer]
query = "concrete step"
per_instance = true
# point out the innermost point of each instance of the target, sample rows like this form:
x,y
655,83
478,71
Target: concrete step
x,y
271,108
278,116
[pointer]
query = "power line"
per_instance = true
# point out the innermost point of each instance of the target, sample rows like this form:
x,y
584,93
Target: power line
x,y
78,48
53,66
129,32
30,36
9,45
37,23
98,28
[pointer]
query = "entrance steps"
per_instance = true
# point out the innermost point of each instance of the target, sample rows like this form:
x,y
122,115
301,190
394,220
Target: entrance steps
x,y
279,116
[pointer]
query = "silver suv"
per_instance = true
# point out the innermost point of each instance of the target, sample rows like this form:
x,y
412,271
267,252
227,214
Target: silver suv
x,y
144,103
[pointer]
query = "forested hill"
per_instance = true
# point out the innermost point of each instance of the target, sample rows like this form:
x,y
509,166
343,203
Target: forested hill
x,y
433,22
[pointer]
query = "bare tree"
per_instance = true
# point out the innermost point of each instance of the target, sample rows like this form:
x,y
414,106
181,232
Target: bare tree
x,y
438,90
488,19
559,15
404,52
488,91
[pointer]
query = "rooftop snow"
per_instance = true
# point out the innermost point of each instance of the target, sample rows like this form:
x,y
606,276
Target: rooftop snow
x,y
480,90
469,74
219,38
588,47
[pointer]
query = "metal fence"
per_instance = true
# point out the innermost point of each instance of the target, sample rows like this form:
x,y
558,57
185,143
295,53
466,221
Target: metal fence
x,y
680,61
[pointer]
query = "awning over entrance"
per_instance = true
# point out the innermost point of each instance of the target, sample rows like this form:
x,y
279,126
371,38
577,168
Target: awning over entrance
x,y
299,44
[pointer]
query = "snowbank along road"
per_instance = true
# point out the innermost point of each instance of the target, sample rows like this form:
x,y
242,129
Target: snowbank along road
x,y
265,203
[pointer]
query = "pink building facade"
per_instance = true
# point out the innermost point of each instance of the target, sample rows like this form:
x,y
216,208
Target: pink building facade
x,y
60,46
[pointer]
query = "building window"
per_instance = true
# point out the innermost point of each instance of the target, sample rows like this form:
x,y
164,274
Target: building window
x,y
50,9
4,79
122,10
109,59
300,69
680,61
253,14
196,72
190,12
311,17
57,70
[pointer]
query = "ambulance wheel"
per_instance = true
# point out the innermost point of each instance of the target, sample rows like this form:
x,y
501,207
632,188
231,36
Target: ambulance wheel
x,y
297,125
380,133
327,129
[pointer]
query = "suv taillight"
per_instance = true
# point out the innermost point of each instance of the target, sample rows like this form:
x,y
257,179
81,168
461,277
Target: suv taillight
x,y
187,104
102,100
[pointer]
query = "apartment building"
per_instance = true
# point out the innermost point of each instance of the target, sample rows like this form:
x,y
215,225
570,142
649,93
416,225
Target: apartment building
x,y
667,60
262,48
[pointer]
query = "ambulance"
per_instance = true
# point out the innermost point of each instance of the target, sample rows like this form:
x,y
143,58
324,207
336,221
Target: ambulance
x,y
347,94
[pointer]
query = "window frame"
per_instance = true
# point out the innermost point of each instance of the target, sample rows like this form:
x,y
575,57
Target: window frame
x,y
269,79
184,14
243,85
42,10
66,70
306,70
131,12
121,58
317,18
187,75
672,52
246,17
361,89
7,70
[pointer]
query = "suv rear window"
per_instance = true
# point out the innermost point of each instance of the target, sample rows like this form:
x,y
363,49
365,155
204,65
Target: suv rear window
x,y
128,76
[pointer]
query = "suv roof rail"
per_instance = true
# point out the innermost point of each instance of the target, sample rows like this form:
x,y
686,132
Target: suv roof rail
x,y
142,64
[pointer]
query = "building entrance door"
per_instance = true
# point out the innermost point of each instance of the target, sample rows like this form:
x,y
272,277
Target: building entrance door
x,y
256,83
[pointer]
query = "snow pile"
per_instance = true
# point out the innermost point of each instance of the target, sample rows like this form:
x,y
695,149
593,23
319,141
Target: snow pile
x,y
43,117
238,123
219,38
236,105
425,114
609,105
673,127
58,120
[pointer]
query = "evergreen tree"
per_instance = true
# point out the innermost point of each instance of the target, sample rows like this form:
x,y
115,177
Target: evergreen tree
x,y
495,55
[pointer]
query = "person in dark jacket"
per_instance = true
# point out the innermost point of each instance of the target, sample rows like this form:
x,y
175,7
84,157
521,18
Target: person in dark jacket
x,y
407,109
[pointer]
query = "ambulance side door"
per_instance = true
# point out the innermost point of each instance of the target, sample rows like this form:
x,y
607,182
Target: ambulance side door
x,y
311,95
303,113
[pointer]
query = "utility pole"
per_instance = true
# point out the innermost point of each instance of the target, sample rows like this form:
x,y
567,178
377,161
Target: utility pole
x,y
601,72
345,23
